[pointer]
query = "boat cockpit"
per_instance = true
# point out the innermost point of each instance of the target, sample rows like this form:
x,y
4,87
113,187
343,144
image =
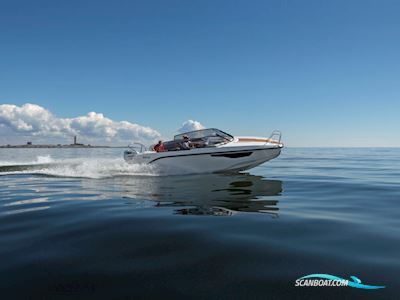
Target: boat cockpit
x,y
211,137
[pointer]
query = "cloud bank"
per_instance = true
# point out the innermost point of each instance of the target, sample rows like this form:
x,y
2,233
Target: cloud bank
x,y
190,125
31,121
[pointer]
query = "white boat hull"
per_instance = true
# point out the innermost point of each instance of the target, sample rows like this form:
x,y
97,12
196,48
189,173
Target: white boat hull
x,y
206,163
207,160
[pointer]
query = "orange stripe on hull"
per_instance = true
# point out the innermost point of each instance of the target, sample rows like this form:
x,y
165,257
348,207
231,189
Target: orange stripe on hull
x,y
257,140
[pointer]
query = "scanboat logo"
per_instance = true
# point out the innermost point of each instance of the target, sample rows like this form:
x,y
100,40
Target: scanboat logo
x,y
330,280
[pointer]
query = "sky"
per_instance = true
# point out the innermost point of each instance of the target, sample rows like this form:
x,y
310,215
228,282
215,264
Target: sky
x,y
325,73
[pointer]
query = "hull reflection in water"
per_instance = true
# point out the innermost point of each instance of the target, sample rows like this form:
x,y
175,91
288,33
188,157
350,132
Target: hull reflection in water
x,y
212,194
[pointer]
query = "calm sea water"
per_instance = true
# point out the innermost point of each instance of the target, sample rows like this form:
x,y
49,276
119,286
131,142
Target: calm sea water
x,y
82,223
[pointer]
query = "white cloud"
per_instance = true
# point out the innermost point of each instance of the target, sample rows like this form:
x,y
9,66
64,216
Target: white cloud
x,y
31,121
190,125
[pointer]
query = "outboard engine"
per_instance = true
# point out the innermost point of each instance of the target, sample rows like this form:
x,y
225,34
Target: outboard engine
x,y
130,154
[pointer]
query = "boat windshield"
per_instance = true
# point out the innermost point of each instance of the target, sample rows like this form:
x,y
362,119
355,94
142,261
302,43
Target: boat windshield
x,y
204,134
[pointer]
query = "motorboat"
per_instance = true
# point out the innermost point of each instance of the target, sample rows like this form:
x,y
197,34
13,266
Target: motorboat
x,y
211,151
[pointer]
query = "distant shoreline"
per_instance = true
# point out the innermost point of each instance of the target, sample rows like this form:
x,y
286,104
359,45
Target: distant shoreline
x,y
56,146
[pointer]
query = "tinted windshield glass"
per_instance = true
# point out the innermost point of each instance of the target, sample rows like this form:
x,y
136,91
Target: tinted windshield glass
x,y
204,133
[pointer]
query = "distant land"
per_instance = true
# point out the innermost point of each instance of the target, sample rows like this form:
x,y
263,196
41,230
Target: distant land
x,y
75,144
58,146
